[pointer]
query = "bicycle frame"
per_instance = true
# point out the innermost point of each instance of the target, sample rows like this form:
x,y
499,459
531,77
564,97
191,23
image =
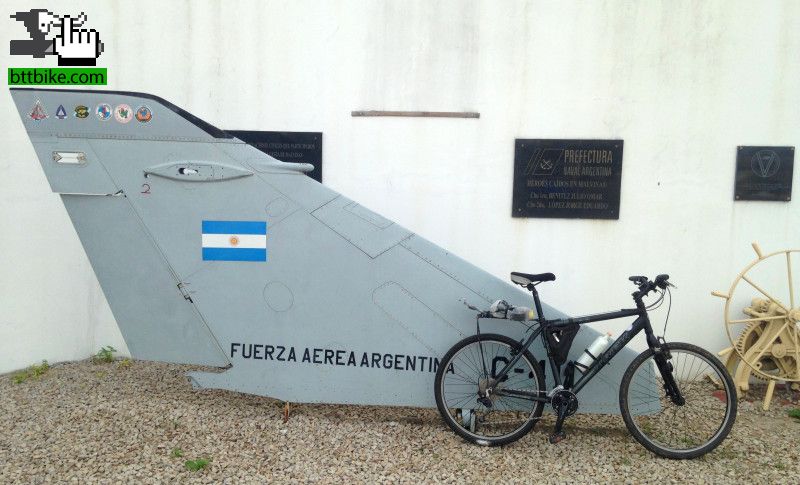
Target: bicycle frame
x,y
641,323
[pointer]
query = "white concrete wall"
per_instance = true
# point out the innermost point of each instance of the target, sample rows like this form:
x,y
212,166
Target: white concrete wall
x,y
683,83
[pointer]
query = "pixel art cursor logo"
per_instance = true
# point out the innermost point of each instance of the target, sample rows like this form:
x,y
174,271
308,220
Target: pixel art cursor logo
x,y
60,35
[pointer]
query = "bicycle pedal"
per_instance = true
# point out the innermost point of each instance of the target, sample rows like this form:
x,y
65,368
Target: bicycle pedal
x,y
556,438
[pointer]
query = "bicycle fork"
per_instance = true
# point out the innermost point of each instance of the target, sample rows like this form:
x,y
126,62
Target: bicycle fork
x,y
663,362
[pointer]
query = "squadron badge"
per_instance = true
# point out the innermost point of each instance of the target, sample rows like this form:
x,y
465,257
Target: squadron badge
x,y
81,111
38,113
123,113
143,114
103,111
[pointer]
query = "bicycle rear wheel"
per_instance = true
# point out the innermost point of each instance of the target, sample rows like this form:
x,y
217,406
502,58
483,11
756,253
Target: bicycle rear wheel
x,y
678,431
460,375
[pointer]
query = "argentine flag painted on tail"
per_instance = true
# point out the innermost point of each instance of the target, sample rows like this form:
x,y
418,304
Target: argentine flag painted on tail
x,y
234,241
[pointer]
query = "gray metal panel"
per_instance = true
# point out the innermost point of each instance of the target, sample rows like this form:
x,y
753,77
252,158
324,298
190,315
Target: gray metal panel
x,y
196,171
281,176
154,318
363,228
348,308
88,177
332,311
173,210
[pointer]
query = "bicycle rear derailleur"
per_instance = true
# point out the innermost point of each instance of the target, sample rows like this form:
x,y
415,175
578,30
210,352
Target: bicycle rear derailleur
x,y
565,404
485,389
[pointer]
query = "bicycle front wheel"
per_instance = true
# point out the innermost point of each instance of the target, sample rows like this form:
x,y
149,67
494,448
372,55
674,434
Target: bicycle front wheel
x,y
694,426
466,368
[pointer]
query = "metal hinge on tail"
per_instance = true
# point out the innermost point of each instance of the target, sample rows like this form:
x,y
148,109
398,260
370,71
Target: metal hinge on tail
x,y
183,287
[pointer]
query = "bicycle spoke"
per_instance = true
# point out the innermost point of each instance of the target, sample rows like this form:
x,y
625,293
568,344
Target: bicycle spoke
x,y
460,390
685,427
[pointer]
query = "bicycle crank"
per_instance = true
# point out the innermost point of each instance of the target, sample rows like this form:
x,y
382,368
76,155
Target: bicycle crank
x,y
565,404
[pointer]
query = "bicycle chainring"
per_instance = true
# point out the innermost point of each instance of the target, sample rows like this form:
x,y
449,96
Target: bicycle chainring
x,y
566,399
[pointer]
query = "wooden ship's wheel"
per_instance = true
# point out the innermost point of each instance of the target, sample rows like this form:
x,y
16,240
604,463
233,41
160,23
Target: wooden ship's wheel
x,y
767,342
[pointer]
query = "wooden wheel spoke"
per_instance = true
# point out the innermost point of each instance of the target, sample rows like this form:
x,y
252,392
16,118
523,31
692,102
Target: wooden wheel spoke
x,y
769,345
757,319
772,298
789,271
770,342
795,332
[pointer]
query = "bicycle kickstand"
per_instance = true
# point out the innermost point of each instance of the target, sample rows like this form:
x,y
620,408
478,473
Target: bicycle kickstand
x,y
558,433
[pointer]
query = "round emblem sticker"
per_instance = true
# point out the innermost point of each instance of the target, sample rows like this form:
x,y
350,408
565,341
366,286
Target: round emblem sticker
x,y
123,113
81,111
234,240
143,114
103,111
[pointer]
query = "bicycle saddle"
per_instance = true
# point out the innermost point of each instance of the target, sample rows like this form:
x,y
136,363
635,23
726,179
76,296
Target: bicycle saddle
x,y
525,279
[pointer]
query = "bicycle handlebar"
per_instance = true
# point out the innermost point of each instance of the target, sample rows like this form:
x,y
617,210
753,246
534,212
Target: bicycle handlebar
x,y
646,286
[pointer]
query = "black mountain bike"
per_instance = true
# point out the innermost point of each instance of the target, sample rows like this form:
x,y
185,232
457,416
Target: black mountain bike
x,y
676,399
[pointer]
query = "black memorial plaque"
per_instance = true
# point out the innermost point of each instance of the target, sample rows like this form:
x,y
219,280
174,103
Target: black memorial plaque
x,y
764,173
287,146
567,178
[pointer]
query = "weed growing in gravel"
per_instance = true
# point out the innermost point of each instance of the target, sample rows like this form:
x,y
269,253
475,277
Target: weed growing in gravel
x,y
35,371
197,465
125,363
177,453
104,355
794,413
39,370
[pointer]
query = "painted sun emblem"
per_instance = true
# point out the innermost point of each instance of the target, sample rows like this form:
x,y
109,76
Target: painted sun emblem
x,y
234,240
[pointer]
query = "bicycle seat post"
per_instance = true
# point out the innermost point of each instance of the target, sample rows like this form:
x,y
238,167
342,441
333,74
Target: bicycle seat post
x,y
536,302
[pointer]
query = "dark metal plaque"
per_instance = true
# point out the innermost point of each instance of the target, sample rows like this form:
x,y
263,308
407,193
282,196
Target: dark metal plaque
x,y
764,173
567,178
287,146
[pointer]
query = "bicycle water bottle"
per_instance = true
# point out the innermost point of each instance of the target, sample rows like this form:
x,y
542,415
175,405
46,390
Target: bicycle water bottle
x,y
592,353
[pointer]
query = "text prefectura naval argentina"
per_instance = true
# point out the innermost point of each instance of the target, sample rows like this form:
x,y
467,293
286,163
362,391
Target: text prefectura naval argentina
x,y
347,358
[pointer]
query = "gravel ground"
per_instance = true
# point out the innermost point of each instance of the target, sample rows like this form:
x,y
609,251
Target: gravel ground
x,y
111,423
